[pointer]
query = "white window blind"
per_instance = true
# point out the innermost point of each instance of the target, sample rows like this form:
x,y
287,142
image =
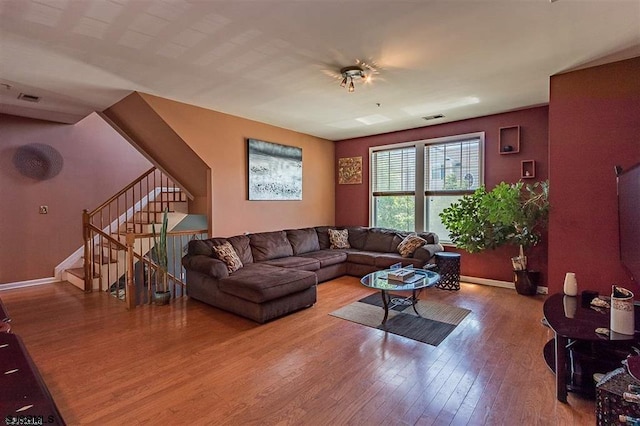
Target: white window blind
x,y
452,167
394,171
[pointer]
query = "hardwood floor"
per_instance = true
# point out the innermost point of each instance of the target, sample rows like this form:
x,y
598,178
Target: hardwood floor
x,y
189,363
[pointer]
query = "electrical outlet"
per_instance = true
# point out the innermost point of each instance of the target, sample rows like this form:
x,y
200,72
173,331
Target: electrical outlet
x,y
44,209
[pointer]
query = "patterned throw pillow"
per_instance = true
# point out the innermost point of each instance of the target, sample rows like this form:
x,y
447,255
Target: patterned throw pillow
x,y
410,244
339,238
228,255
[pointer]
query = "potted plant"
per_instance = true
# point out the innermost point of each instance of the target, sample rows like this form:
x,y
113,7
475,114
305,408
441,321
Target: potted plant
x,y
508,214
162,295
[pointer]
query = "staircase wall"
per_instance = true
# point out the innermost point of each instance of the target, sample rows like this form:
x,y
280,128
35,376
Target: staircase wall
x,y
205,152
154,138
33,244
220,141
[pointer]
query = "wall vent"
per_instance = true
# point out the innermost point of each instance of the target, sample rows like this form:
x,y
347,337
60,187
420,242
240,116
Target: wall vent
x,y
433,117
29,98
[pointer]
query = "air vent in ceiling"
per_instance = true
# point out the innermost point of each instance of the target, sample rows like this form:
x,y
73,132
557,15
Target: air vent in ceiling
x,y
29,98
433,117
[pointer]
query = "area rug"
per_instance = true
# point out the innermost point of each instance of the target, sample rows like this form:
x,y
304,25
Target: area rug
x,y
435,323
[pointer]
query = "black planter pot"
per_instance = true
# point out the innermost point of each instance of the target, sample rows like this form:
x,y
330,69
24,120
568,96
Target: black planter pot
x,y
524,284
161,297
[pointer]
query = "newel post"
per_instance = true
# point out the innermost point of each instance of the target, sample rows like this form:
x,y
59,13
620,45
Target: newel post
x,y
86,236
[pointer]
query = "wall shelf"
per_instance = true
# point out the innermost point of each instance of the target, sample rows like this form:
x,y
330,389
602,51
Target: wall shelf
x,y
509,140
527,169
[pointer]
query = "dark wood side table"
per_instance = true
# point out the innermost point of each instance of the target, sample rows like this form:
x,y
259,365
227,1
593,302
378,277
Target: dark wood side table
x,y
575,338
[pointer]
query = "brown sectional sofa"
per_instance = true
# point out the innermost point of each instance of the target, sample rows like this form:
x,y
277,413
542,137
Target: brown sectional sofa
x,y
281,269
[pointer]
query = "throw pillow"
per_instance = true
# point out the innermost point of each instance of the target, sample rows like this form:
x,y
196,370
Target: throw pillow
x,y
410,244
228,255
339,238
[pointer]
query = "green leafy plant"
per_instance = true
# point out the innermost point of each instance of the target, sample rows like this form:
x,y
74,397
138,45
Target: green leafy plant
x,y
160,247
508,214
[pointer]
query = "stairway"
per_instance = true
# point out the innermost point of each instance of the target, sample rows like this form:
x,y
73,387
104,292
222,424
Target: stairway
x,y
109,259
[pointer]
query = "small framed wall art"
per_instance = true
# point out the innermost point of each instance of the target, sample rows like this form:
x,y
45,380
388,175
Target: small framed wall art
x,y
350,170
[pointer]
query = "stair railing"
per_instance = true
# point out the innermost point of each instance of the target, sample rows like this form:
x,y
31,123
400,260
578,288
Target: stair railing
x,y
143,272
121,224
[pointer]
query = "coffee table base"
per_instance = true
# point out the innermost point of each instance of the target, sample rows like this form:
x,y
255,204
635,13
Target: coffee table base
x,y
389,302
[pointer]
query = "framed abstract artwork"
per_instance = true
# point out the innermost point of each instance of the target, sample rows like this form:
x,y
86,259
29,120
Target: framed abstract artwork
x,y
350,170
275,171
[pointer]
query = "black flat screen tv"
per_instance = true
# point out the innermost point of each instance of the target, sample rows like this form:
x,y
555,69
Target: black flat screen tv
x,y
629,220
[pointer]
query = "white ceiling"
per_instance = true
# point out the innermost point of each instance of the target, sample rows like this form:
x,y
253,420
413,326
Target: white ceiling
x,y
278,61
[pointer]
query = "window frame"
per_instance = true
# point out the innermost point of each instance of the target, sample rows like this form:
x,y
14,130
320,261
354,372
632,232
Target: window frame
x,y
421,192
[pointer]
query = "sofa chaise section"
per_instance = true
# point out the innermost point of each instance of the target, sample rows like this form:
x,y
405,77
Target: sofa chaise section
x,y
258,291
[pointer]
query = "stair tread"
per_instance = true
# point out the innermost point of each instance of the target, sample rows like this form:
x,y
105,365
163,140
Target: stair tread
x,y
79,272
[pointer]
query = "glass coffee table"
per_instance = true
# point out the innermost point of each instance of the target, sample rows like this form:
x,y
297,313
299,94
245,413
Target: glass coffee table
x,y
378,280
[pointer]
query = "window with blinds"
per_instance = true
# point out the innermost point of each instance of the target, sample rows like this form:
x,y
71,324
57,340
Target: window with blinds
x,y
394,171
394,188
452,167
447,168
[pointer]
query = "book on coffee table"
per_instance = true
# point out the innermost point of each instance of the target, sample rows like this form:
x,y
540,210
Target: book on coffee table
x,y
402,275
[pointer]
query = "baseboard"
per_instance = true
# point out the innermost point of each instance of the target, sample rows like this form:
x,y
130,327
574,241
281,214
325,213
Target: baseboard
x,y
543,290
487,281
29,283
497,283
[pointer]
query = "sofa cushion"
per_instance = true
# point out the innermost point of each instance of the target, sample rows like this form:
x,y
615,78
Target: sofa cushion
x,y
327,257
358,237
362,257
339,238
200,247
427,251
385,260
241,245
226,253
410,244
258,282
381,240
397,239
303,240
323,236
430,237
270,245
206,265
296,262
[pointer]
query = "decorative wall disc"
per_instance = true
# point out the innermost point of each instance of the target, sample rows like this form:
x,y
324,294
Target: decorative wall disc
x,y
38,161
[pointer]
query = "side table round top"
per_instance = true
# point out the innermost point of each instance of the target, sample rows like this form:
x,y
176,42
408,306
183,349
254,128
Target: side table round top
x,y
568,318
447,254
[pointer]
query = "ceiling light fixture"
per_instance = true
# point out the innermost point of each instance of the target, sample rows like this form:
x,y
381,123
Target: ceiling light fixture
x,y
349,74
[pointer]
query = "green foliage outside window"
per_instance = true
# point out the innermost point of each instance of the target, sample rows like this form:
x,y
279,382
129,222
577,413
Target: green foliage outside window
x,y
395,212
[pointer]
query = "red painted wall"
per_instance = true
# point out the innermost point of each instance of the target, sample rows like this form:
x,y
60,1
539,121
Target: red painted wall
x,y
352,201
97,163
594,124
